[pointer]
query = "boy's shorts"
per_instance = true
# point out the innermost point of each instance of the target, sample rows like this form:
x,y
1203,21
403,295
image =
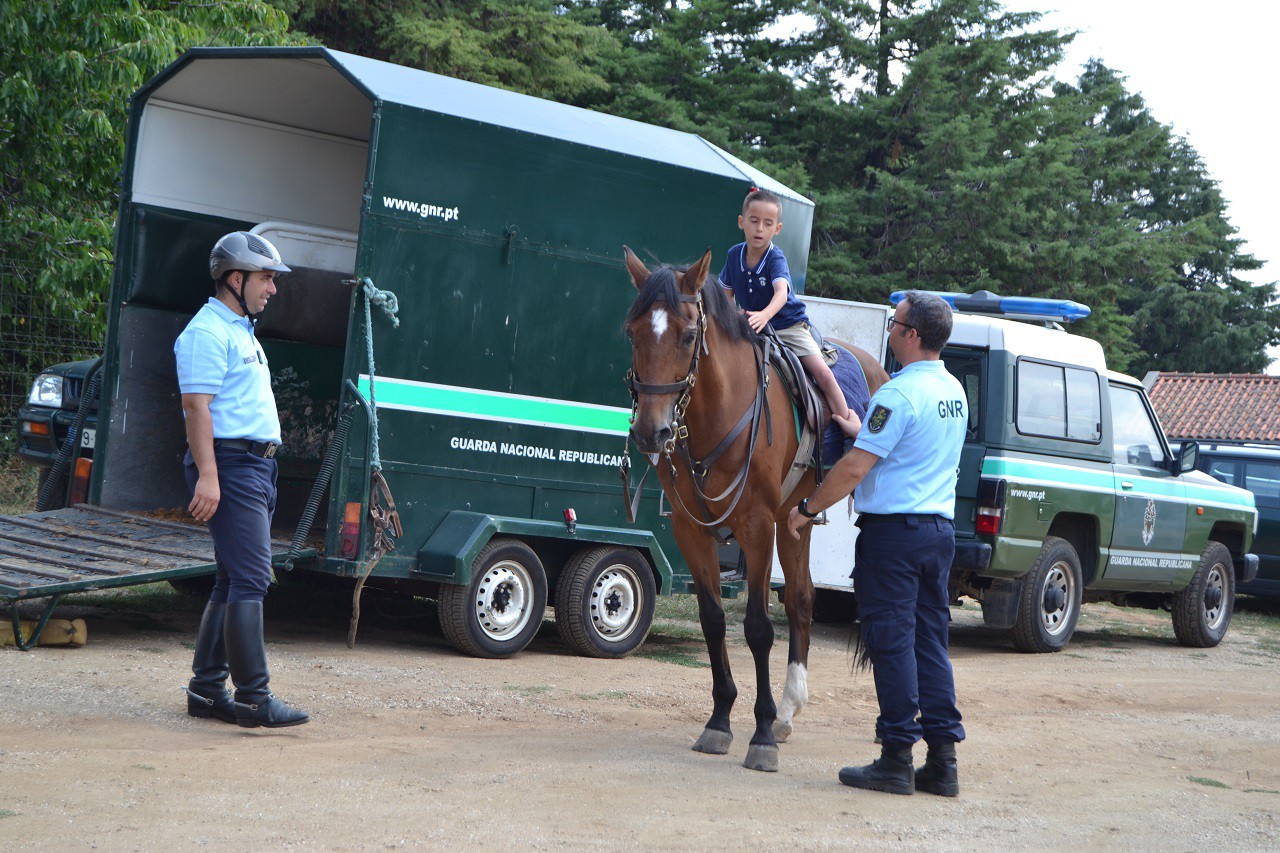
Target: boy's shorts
x,y
799,339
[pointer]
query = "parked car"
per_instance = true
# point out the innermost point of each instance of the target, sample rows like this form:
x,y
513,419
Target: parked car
x,y
43,424
1256,468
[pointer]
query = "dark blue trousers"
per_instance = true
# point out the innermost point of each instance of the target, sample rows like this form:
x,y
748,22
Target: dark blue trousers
x,y
901,567
241,526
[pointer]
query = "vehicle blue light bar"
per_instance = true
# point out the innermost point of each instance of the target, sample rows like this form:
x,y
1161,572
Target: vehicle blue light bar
x,y
1021,307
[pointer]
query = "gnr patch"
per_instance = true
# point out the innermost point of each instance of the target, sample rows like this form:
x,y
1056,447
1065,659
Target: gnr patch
x,y
878,418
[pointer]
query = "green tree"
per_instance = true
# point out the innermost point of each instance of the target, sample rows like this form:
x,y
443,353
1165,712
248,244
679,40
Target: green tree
x,y
67,70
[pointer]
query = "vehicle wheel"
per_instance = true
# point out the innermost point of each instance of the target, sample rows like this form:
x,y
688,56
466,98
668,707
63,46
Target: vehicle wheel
x,y
500,611
834,606
1049,603
1202,611
198,586
604,601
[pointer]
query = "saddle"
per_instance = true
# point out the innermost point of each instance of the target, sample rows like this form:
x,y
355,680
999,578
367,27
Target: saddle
x,y
821,442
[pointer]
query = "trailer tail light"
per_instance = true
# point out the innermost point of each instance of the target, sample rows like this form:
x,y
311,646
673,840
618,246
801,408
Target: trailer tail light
x,y
80,482
990,507
34,428
351,531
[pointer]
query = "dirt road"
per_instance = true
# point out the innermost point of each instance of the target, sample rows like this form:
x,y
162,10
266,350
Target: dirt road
x,y
1125,740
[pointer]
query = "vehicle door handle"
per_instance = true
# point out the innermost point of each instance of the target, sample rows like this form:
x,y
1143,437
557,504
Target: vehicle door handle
x,y
1126,485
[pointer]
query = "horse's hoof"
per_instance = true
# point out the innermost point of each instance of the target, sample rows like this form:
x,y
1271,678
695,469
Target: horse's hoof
x,y
762,757
781,730
713,742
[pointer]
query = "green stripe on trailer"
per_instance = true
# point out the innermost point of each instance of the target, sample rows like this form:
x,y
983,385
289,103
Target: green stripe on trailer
x,y
476,403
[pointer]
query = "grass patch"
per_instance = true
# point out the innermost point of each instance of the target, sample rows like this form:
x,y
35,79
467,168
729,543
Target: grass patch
x,y
19,486
607,694
529,689
676,630
7,813
145,766
1260,791
676,656
1208,783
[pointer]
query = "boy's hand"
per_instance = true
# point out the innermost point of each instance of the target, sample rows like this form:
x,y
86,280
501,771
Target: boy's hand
x,y
757,320
851,425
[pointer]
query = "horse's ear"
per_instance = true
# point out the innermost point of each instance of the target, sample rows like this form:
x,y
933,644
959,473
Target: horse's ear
x,y
639,272
694,277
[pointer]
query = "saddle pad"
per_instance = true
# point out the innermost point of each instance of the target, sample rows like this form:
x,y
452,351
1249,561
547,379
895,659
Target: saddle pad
x,y
853,382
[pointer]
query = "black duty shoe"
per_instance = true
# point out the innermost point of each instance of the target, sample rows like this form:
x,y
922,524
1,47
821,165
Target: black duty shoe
x,y
219,705
269,712
891,773
939,773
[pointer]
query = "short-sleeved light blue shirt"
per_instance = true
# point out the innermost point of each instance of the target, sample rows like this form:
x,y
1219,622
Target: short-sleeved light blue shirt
x,y
218,354
916,424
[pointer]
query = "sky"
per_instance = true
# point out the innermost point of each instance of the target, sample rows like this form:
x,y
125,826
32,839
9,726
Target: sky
x,y
1208,68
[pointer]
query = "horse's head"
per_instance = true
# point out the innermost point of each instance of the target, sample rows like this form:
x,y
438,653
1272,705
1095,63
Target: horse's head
x,y
666,327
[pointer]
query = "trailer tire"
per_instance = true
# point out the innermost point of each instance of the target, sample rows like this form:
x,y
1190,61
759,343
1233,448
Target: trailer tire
x,y
500,611
604,601
1049,603
1202,611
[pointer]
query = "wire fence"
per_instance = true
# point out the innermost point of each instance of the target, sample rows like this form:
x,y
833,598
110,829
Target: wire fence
x,y
32,337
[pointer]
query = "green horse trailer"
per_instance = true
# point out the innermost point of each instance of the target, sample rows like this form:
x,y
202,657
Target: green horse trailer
x,y
452,322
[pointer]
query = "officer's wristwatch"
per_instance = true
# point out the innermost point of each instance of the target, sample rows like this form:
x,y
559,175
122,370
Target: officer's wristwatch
x,y
804,509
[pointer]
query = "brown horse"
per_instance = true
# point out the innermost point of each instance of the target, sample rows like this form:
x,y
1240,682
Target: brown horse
x,y
723,440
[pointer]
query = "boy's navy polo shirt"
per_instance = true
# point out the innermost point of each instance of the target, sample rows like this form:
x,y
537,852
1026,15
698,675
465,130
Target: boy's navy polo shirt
x,y
916,424
753,288
218,354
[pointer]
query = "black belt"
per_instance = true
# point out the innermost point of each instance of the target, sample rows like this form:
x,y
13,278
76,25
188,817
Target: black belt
x,y
899,517
265,449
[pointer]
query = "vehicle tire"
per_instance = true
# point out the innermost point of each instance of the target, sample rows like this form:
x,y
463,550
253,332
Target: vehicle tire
x,y
834,606
1202,611
198,586
500,611
604,601
1049,603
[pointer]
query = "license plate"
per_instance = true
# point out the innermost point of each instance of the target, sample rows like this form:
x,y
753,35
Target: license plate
x,y
87,438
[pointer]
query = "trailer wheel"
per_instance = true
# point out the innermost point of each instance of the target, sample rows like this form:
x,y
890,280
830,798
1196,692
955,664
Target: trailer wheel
x,y
604,601
1049,604
1202,611
500,611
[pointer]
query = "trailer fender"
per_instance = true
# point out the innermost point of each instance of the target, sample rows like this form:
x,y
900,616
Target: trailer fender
x,y
451,550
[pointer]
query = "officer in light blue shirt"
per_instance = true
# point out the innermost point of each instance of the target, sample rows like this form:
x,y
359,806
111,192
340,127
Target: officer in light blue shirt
x,y
233,432
904,466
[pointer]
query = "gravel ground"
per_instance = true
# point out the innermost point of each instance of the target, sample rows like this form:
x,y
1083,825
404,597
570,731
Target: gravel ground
x,y
1123,741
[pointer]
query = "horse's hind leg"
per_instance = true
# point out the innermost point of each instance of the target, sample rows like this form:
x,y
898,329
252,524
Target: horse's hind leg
x,y
758,628
699,550
794,557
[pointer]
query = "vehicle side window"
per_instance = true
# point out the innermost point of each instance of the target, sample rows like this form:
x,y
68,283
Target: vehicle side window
x,y
1222,469
1263,479
968,372
1136,439
1058,402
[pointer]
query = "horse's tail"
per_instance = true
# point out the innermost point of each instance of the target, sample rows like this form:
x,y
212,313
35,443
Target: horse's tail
x,y
858,648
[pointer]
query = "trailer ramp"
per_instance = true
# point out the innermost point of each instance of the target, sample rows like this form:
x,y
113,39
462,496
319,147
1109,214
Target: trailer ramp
x,y
85,547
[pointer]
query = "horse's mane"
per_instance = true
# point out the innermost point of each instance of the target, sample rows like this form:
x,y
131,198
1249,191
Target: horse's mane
x,y
662,286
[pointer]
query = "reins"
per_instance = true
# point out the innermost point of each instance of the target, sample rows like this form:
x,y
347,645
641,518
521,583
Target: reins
x,y
678,443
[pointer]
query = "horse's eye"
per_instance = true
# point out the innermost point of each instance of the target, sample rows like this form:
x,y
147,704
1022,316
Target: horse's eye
x,y
688,339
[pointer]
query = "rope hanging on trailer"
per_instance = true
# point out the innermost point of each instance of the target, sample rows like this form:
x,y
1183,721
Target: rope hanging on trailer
x,y
382,506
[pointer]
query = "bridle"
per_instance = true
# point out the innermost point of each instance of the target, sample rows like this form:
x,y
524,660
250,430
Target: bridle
x,y
678,443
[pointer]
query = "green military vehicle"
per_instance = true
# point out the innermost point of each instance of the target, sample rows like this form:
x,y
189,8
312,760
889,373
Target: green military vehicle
x,y
1068,491
493,405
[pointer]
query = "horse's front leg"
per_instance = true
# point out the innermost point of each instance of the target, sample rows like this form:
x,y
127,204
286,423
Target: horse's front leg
x,y
794,556
757,548
699,550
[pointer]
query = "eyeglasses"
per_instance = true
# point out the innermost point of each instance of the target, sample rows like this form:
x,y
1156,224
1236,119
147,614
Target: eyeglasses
x,y
894,321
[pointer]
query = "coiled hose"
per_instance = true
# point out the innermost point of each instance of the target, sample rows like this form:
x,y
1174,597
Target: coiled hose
x,y
298,545
48,497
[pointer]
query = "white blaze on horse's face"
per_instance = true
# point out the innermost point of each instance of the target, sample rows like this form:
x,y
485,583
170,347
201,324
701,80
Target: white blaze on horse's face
x,y
659,320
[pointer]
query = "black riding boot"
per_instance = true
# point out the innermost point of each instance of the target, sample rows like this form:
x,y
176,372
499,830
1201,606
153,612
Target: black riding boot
x,y
207,694
939,774
255,705
891,772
